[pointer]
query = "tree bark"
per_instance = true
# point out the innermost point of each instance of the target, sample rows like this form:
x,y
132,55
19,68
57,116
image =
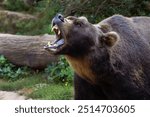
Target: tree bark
x,y
26,50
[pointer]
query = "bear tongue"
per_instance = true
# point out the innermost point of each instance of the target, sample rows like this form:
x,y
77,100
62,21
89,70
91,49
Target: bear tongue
x,y
57,43
60,42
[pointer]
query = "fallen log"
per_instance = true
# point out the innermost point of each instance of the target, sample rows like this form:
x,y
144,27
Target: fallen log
x,y
26,50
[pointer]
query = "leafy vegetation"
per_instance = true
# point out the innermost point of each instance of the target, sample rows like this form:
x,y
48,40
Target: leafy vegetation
x,y
16,5
27,82
53,83
60,72
53,92
10,71
36,87
94,10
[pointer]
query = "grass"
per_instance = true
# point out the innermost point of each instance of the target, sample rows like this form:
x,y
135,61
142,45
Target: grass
x,y
21,83
37,87
53,92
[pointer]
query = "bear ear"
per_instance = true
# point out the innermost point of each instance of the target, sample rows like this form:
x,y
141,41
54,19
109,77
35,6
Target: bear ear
x,y
110,39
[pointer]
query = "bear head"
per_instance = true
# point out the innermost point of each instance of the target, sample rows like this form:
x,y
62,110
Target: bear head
x,y
76,36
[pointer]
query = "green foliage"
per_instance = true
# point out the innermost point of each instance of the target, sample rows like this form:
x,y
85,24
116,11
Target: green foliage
x,y
53,92
96,10
60,72
16,5
25,27
10,71
35,86
27,82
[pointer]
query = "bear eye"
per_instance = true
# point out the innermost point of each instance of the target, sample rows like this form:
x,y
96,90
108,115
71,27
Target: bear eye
x,y
78,23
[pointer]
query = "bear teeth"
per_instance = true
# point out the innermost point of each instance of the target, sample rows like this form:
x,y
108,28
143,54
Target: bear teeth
x,y
57,31
54,28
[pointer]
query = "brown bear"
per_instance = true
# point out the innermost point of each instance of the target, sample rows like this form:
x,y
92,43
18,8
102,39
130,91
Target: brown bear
x,y
111,59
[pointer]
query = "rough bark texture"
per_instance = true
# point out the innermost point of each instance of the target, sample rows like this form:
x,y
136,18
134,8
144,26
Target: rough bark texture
x,y
26,50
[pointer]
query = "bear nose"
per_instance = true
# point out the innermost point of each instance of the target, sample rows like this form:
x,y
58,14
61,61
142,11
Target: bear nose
x,y
57,19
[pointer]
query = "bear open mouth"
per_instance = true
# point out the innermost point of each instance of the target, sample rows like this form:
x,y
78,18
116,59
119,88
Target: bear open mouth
x,y
59,42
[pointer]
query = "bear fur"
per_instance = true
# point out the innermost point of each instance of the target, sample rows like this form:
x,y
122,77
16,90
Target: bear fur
x,y
111,59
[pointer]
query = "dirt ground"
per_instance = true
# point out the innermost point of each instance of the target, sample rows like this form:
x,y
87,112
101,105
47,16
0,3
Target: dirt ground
x,y
6,95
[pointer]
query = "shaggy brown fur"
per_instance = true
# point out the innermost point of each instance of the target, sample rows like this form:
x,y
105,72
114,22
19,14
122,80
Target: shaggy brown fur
x,y
82,67
111,59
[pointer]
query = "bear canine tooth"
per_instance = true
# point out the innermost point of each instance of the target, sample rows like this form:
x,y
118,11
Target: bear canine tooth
x,y
58,32
54,28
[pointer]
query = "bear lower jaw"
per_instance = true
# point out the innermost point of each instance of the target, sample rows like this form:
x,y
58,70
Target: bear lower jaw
x,y
55,46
